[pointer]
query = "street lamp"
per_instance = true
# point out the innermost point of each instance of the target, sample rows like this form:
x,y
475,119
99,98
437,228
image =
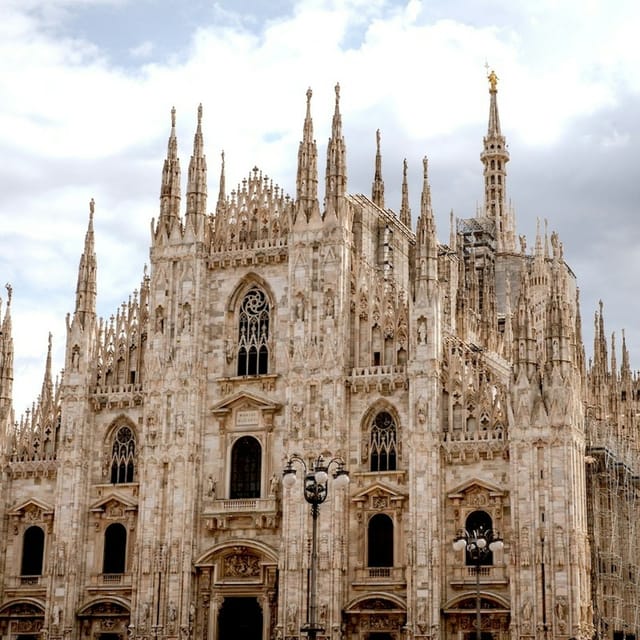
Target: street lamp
x,y
315,490
478,544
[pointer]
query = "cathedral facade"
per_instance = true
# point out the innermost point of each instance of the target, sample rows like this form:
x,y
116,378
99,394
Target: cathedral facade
x,y
143,495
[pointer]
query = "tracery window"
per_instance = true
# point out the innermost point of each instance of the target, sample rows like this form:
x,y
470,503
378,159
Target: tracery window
x,y
32,552
246,468
123,455
115,549
253,334
380,541
383,443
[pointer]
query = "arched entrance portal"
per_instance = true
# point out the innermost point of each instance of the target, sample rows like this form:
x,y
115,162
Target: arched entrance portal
x,y
237,592
240,618
461,618
376,617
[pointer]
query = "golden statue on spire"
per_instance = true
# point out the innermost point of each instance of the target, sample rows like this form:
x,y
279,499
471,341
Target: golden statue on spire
x,y
493,80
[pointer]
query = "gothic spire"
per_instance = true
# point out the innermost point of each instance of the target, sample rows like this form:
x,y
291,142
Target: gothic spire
x,y
377,189
426,242
6,357
46,393
86,289
307,177
494,157
222,195
197,184
405,211
170,189
336,175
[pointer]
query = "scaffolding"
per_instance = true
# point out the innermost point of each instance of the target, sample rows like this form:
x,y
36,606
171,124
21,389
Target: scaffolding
x,y
613,507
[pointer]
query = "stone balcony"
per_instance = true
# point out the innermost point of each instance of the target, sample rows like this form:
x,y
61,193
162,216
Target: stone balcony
x,y
25,586
262,513
383,378
380,577
110,582
465,576
116,396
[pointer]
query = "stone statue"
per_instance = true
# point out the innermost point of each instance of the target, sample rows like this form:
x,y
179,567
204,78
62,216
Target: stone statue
x,y
211,487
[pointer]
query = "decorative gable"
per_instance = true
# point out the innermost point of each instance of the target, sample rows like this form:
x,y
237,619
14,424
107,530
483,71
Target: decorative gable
x,y
379,497
30,512
245,412
113,507
476,492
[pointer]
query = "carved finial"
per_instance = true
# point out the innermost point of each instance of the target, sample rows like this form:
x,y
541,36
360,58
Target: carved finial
x,y
493,81
425,164
200,113
9,289
404,168
337,93
173,116
50,342
309,94
92,206
378,139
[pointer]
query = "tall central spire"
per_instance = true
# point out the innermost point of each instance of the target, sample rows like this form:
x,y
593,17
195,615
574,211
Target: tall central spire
x,y
494,157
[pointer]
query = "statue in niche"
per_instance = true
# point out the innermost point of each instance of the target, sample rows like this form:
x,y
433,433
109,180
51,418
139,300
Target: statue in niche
x,y
422,332
211,487
329,304
421,410
299,308
146,611
186,318
60,559
292,613
55,615
561,612
526,611
274,484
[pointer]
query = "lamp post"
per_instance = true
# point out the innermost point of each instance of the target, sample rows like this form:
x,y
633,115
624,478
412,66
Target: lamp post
x,y
315,491
478,544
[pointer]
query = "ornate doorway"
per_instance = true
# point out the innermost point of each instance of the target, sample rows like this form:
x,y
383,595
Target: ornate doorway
x,y
461,616
375,617
22,619
104,620
240,618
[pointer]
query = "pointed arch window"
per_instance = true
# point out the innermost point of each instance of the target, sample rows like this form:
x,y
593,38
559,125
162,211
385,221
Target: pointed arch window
x,y
123,456
246,468
380,541
383,443
253,334
115,549
32,552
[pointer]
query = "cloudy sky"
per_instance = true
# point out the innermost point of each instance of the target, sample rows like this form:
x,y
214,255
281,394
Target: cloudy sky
x,y
86,89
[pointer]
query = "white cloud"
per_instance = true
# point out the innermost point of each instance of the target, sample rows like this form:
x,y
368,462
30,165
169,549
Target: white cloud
x,y
79,127
143,50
